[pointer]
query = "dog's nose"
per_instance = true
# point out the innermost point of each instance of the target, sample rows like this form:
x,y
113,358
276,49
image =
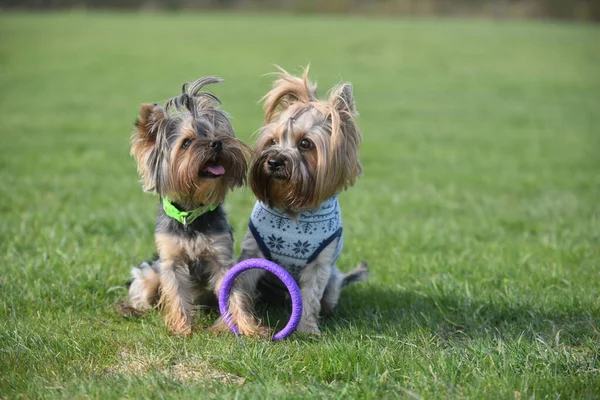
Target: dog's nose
x,y
216,144
275,163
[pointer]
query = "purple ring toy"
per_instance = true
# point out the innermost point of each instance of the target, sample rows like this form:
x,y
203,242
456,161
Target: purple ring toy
x,y
276,270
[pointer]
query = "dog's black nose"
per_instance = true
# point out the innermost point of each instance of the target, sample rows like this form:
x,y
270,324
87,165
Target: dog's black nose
x,y
275,163
216,144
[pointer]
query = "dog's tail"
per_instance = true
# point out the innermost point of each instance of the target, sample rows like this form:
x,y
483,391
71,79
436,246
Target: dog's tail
x,y
359,274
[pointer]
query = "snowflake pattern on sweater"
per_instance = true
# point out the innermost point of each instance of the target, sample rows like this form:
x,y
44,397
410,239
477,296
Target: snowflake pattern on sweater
x,y
295,243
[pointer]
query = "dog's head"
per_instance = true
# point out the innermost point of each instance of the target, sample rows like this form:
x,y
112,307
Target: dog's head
x,y
187,149
307,150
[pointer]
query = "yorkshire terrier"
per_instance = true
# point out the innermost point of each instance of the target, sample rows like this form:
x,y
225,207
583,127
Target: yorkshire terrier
x,y
305,155
187,153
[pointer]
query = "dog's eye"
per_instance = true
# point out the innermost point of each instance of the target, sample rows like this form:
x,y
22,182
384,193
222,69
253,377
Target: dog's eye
x,y
272,142
186,143
305,144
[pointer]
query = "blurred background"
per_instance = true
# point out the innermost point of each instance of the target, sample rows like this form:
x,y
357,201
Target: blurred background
x,y
585,10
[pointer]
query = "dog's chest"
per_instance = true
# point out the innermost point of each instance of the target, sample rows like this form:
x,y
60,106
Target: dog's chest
x,y
198,247
201,253
294,243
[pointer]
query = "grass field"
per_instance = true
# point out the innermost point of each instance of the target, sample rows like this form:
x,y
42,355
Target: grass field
x,y
478,210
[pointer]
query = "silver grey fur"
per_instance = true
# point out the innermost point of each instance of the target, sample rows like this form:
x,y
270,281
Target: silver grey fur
x,y
173,146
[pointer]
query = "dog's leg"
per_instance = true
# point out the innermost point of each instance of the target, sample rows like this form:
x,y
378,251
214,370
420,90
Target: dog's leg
x,y
241,306
332,291
250,248
241,298
313,281
177,297
177,290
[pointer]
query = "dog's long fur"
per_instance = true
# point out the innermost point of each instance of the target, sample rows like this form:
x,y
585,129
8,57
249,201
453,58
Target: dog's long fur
x,y
315,143
180,149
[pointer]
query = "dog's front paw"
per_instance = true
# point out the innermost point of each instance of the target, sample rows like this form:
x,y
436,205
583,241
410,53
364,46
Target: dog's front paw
x,y
258,331
219,326
247,329
310,328
178,324
181,331
249,326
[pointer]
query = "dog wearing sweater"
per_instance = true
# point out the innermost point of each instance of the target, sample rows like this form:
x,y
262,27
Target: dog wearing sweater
x,y
305,155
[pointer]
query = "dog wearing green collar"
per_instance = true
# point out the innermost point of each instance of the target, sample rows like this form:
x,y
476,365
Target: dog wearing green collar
x,y
187,154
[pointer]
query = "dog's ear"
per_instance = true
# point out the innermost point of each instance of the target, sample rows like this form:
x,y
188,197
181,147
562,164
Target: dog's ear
x,y
342,99
345,135
287,90
143,142
147,124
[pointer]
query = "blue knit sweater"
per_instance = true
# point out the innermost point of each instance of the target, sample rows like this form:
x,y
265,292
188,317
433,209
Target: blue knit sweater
x,y
293,244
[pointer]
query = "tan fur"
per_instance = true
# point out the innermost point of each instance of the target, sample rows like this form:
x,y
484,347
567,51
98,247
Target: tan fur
x,y
288,89
177,290
144,139
293,113
177,297
177,148
293,177
178,293
184,184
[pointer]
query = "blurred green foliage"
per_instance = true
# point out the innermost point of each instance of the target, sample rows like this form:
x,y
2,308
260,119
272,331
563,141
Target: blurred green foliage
x,y
585,10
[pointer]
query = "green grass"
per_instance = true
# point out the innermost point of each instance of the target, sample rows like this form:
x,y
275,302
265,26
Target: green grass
x,y
478,210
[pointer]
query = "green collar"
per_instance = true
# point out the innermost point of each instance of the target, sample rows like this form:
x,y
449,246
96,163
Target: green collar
x,y
184,217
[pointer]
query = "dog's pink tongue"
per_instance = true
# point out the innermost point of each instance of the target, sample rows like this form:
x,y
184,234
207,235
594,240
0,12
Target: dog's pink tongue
x,y
215,169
